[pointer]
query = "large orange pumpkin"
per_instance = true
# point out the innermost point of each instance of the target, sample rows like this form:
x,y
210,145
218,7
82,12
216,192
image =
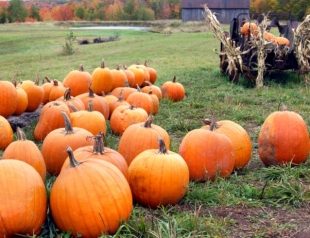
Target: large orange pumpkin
x,y
207,153
158,177
78,80
283,139
23,199
173,90
99,151
101,79
6,132
27,151
141,136
56,142
238,136
142,100
94,195
8,96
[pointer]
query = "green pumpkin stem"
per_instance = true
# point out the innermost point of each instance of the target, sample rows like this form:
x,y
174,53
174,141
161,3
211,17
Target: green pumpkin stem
x,y
162,147
148,122
20,134
73,161
68,125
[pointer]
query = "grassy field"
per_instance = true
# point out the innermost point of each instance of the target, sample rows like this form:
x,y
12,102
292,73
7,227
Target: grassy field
x,y
254,202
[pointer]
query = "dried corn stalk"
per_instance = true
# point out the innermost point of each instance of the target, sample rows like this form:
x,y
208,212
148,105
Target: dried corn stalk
x,y
302,47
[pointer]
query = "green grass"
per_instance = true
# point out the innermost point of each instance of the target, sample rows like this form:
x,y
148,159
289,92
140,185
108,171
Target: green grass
x,y
209,209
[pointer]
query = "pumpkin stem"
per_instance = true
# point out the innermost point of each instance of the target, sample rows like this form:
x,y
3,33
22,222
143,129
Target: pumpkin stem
x,y
174,79
37,80
67,94
68,125
125,66
102,64
98,147
73,161
55,82
47,79
162,147
90,105
131,107
208,122
120,97
148,122
138,88
126,83
91,92
20,134
146,64
72,107
284,107
14,82
117,67
81,68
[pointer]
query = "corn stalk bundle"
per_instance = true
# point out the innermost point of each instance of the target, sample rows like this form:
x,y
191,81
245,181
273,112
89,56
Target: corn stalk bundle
x,y
233,53
302,47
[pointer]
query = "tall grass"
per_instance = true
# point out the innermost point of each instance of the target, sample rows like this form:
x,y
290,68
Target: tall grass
x,y
30,49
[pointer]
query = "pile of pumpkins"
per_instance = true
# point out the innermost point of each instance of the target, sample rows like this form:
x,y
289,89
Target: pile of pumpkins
x,y
95,185
251,28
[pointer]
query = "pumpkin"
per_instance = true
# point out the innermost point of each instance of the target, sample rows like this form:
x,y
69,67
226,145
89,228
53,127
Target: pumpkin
x,y
70,100
248,28
23,195
142,100
50,119
152,72
115,104
90,120
145,70
161,173
27,151
118,78
139,74
34,92
130,76
141,136
238,136
124,116
6,132
101,79
47,87
155,101
22,100
208,154
126,91
283,139
173,90
8,98
278,40
99,151
99,103
57,91
56,142
78,80
94,195
155,89
269,36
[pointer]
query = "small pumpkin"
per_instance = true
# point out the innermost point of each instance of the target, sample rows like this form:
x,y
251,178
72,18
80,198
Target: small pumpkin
x,y
279,40
139,74
27,151
22,100
145,136
117,103
161,173
141,99
155,89
173,90
126,91
94,195
57,91
78,80
101,79
8,98
23,195
248,28
6,132
130,76
70,100
152,72
118,78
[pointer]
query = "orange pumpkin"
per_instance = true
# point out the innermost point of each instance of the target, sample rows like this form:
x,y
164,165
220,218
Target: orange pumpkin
x,y
145,136
101,79
155,102
281,41
118,78
207,153
34,92
130,76
99,151
139,74
8,98
161,173
56,142
142,100
283,139
126,91
22,100
57,91
155,89
248,28
78,80
50,119
173,90
94,195
117,103
27,151
6,132
47,87
238,136
152,72
73,101
124,116
23,195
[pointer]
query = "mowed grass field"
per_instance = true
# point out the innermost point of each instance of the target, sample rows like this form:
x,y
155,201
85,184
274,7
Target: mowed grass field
x,y
254,202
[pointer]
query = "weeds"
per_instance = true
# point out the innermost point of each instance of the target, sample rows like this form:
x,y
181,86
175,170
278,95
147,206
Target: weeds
x,y
68,48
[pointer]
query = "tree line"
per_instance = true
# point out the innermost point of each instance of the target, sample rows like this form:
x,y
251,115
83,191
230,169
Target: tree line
x,y
116,10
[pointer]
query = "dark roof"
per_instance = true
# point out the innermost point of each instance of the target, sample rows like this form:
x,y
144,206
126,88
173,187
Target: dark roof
x,y
216,3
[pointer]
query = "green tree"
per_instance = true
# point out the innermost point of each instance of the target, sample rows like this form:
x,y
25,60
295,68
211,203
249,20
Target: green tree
x,y
80,12
35,12
17,11
129,9
144,14
3,15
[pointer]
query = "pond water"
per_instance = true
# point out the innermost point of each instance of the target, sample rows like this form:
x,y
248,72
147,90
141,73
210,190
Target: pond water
x,y
137,28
